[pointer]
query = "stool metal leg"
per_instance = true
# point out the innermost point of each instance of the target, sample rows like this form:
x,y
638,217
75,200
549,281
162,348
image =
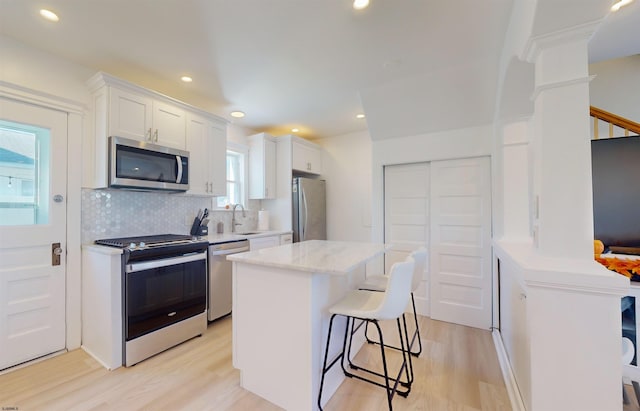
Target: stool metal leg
x,y
407,365
326,368
416,333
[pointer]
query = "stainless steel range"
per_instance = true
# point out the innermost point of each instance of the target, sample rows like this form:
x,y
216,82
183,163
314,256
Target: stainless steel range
x,y
165,292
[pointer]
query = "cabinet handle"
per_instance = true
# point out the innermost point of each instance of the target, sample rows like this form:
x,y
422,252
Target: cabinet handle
x,y
266,191
211,187
149,135
206,187
309,166
155,135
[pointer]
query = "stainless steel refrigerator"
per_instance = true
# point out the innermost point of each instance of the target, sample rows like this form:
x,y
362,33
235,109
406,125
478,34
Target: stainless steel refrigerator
x,y
309,209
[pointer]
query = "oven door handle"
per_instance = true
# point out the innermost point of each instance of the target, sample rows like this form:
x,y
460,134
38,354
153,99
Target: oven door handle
x,y
164,262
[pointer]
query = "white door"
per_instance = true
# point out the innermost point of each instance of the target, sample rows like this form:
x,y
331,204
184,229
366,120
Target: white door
x,y
33,166
461,242
406,219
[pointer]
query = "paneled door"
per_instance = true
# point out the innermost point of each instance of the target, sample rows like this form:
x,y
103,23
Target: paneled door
x,y
33,166
406,219
461,242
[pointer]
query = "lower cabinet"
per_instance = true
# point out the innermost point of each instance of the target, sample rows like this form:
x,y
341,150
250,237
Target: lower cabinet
x,y
264,242
286,238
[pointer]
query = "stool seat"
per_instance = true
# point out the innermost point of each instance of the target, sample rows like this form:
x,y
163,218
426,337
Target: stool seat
x,y
375,282
359,304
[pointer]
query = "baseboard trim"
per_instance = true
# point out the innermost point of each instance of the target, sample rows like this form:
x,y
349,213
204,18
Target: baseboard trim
x,y
33,361
507,373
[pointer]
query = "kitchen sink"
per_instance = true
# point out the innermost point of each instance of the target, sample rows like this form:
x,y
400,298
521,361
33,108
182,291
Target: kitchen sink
x,y
249,232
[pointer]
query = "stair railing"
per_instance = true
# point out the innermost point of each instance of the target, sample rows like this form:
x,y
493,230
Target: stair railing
x,y
627,125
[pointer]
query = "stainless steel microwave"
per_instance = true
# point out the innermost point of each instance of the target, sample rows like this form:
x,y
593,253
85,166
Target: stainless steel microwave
x,y
138,165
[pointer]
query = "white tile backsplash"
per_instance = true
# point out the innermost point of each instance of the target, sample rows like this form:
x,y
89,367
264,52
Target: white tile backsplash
x,y
122,213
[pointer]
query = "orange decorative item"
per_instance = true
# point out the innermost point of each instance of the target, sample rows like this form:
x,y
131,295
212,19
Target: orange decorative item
x,y
628,268
598,247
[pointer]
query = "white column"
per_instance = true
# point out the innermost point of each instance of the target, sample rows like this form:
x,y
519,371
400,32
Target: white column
x,y
516,182
563,216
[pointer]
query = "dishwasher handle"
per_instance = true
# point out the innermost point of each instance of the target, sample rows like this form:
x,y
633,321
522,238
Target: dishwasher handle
x,y
226,249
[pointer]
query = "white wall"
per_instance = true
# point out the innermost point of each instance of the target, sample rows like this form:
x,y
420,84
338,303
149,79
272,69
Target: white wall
x,y
616,86
37,70
346,165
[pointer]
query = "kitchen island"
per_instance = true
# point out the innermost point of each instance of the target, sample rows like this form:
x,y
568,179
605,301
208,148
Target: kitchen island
x,y
281,297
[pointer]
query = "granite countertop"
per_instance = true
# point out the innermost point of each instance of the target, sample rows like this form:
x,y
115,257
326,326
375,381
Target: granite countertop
x,y
316,256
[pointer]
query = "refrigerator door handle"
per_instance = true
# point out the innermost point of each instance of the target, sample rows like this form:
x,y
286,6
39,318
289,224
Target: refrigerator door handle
x,y
303,209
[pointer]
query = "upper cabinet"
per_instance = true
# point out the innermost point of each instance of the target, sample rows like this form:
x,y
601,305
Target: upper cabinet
x,y
206,143
140,117
306,156
123,109
262,167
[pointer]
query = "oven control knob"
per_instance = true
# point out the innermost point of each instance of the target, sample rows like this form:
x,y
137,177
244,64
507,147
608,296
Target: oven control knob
x,y
141,244
132,245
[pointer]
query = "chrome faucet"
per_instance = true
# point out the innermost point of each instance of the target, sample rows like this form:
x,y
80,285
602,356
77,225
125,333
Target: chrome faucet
x,y
233,217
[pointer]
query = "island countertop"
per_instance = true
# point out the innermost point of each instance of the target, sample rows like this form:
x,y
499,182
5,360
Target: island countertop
x,y
316,256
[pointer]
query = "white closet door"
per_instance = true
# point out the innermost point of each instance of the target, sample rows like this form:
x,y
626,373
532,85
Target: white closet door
x,y
461,242
406,208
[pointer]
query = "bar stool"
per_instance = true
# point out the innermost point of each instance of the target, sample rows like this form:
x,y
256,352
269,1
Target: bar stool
x,y
372,307
379,283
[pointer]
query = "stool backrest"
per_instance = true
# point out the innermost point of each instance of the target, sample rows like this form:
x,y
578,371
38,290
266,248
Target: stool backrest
x,y
396,295
420,258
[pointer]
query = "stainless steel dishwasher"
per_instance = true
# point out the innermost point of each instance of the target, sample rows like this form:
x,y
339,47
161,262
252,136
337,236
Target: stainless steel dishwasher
x,y
220,277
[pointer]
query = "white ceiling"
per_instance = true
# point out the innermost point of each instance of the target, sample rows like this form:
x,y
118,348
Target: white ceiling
x,y
412,65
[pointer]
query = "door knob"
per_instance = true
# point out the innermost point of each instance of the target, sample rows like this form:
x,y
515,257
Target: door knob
x,y
56,252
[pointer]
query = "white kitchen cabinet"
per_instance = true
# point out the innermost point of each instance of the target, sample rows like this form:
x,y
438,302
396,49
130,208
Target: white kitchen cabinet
x,y
280,207
140,117
286,238
264,242
306,156
206,143
120,108
102,304
262,167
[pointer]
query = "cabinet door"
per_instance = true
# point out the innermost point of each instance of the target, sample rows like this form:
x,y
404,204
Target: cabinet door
x,y
199,155
262,168
306,158
286,239
169,125
315,160
269,169
218,159
130,115
263,242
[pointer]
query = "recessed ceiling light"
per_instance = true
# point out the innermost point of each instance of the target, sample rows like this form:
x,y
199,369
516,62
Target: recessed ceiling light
x,y
237,114
619,4
360,4
360,115
186,79
295,130
49,15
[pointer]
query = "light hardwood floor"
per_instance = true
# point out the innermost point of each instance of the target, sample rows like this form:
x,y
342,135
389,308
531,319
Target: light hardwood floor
x,y
457,370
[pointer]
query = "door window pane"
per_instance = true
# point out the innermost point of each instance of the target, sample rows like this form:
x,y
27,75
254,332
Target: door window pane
x,y
24,174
